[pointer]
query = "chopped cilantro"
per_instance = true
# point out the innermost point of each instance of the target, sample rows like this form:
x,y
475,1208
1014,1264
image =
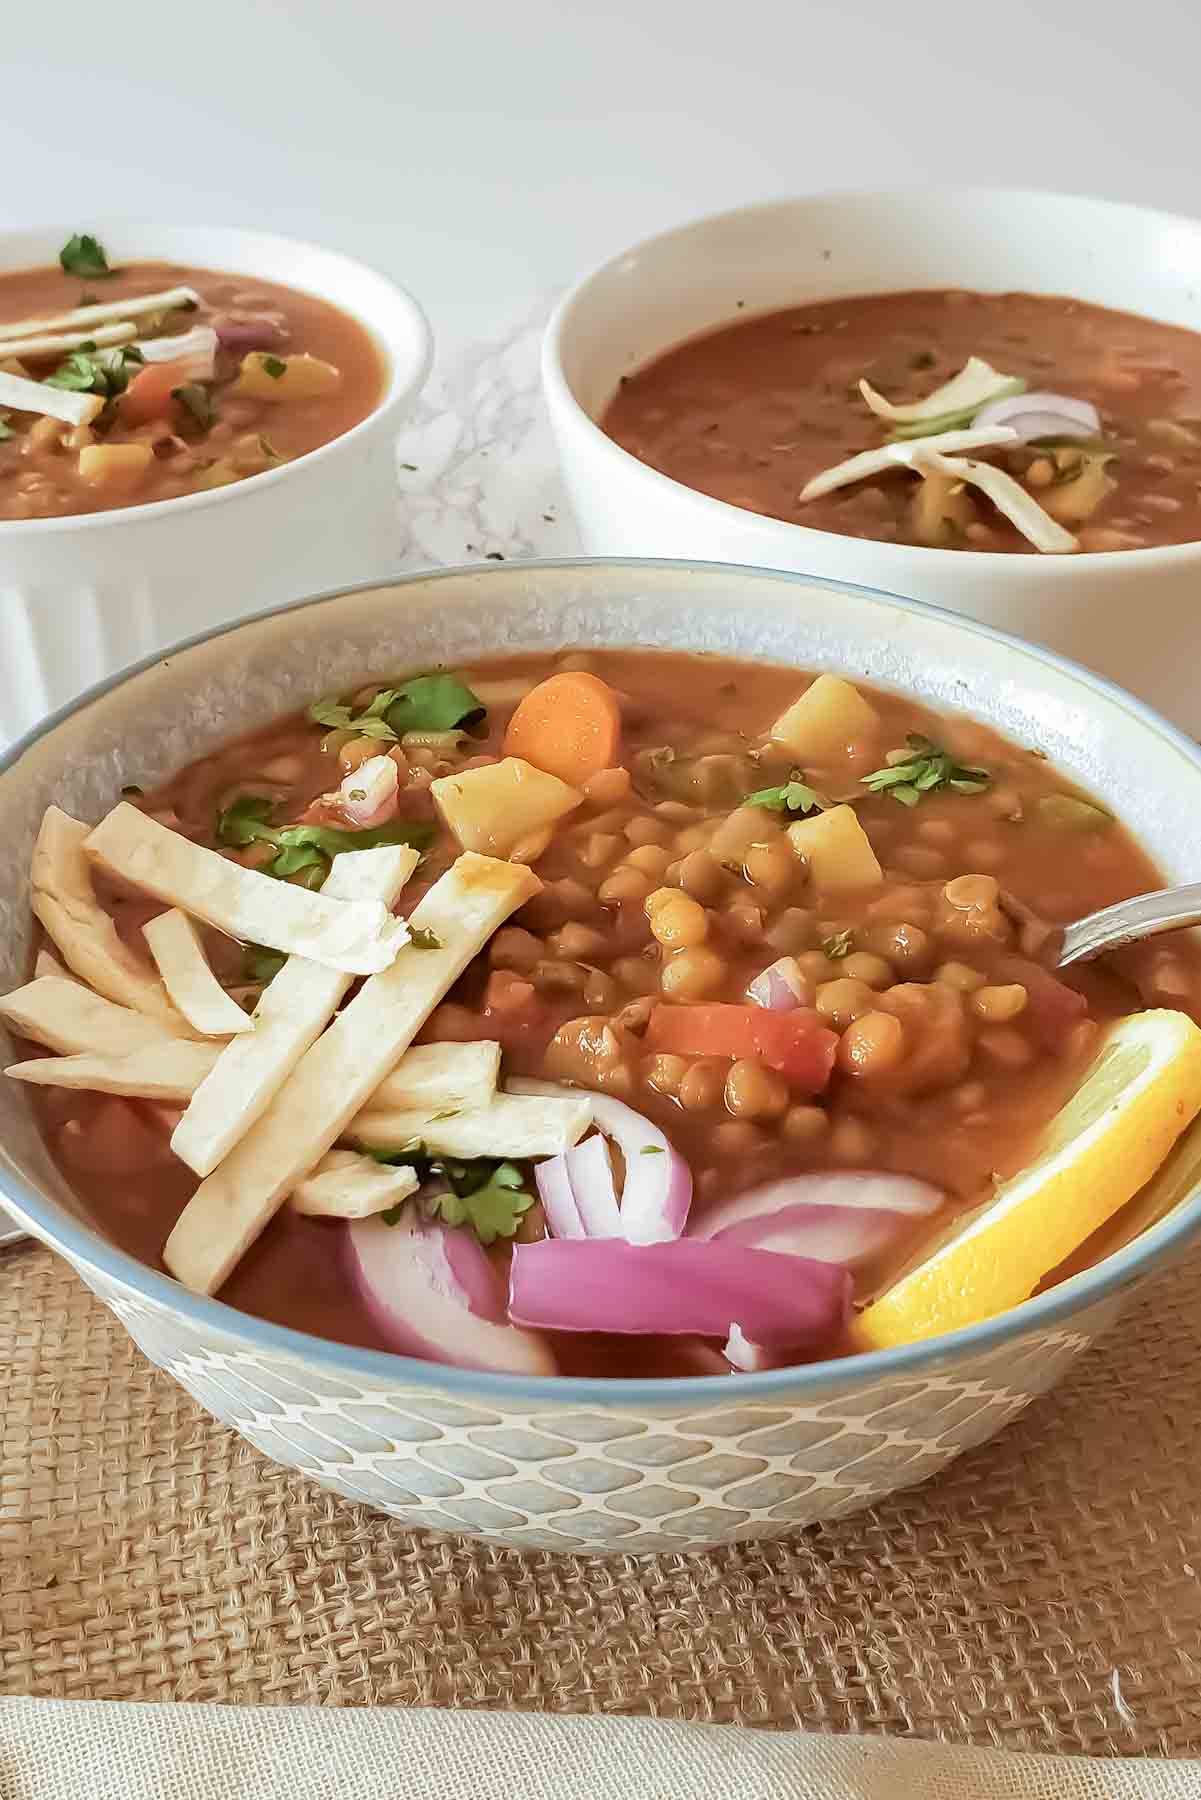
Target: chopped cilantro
x,y
260,964
6,430
422,938
924,771
651,1150
794,795
83,255
427,703
196,400
91,371
838,946
275,366
487,1196
309,847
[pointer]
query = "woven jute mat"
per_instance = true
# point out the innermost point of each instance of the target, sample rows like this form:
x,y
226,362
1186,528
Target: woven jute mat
x,y
1044,1593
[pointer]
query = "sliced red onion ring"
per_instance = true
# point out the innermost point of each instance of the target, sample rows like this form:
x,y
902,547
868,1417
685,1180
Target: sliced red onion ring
x,y
657,1191
848,1217
368,795
435,1293
780,987
591,1172
241,330
1041,415
688,1285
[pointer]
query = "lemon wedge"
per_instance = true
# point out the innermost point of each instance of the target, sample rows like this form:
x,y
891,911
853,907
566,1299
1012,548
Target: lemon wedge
x,y
1139,1094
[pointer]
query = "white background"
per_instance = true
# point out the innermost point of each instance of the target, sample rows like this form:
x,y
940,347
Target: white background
x,y
484,153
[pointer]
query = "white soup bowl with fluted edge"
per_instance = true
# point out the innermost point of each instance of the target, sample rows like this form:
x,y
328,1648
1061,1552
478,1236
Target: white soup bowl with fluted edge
x,y
84,595
1133,615
563,1462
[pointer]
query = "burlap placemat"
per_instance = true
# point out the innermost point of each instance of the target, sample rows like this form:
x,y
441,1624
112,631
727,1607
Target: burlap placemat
x,y
1042,1594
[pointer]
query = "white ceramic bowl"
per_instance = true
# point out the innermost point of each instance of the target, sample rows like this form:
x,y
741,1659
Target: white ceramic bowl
x,y
83,596
565,1463
1131,615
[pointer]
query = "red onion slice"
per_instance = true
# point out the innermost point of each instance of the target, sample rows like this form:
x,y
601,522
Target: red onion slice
x,y
369,794
657,1191
1041,415
740,1353
686,1286
845,1218
780,987
553,1180
591,1173
435,1293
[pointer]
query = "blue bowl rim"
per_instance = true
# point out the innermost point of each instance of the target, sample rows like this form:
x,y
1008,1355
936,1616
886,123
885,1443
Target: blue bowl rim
x,y
81,1245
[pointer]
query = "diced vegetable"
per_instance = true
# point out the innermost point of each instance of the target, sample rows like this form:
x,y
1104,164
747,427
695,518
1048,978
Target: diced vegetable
x,y
796,1043
434,1290
493,808
828,720
1008,496
836,850
687,1286
940,511
779,987
115,465
569,725
265,376
1073,501
151,393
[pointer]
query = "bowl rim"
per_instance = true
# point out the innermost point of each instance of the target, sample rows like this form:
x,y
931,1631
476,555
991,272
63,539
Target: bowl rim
x,y
61,1231
403,386
911,559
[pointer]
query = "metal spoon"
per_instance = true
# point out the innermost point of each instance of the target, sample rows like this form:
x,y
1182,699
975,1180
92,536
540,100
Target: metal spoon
x,y
1128,922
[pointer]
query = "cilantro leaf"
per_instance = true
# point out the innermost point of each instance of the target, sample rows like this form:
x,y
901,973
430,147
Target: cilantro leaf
x,y
794,795
839,945
925,770
422,938
487,1196
275,366
434,703
91,371
197,402
309,847
259,964
83,255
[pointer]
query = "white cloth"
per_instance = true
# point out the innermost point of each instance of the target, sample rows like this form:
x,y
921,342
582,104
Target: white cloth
x,y
108,1750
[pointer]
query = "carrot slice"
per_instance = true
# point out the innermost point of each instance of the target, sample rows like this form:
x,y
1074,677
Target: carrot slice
x,y
149,394
569,725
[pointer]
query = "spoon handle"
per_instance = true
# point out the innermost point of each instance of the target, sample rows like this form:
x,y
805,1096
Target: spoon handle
x,y
1130,920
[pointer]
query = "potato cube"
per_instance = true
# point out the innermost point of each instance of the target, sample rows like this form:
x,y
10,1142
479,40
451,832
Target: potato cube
x,y
267,377
495,808
836,849
829,720
115,465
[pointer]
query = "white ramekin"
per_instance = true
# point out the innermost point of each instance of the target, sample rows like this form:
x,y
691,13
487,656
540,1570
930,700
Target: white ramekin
x,y
1132,615
81,597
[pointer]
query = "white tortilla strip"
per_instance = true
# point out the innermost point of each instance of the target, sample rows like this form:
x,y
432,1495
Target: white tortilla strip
x,y
1008,496
514,1125
902,456
66,1016
294,1010
345,1185
24,395
358,936
337,1076
127,308
976,383
178,954
51,345
85,936
167,1071
433,1076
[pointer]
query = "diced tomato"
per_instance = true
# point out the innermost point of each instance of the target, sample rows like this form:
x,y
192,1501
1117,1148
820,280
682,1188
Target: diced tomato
x,y
796,1043
1052,1007
148,395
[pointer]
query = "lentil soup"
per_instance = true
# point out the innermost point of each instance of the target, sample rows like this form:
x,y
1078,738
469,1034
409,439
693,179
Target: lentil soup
x,y
120,386
775,924
1106,440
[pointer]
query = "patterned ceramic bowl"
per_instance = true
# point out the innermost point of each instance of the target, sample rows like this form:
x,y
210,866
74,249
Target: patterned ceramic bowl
x,y
592,1464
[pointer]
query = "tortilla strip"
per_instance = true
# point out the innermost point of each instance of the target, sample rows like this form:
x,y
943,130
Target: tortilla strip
x,y
179,957
136,308
169,1070
61,1013
514,1125
24,395
50,345
294,1010
358,936
336,1077
433,1076
345,1185
87,940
